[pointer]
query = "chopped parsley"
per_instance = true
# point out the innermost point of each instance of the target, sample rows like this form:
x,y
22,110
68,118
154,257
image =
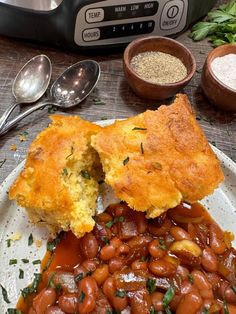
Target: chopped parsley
x,y
226,309
233,288
8,242
81,297
190,279
152,311
151,285
141,148
98,101
33,287
79,277
51,245
108,311
65,172
21,273
52,109
167,299
110,223
205,311
48,262
13,311
162,245
25,260
85,174
2,162
30,240
142,259
12,261
138,129
120,293
125,161
105,240
4,294
36,262
51,280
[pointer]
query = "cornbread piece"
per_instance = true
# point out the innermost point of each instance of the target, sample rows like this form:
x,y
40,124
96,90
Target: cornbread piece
x,y
158,159
58,185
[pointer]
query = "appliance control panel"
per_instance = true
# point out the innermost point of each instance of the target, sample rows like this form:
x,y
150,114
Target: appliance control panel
x,y
113,22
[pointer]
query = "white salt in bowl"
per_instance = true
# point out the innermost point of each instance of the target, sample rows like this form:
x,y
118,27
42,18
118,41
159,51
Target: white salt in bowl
x,y
217,92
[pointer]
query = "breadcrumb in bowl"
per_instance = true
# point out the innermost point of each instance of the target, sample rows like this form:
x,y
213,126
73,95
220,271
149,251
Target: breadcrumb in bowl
x,y
58,186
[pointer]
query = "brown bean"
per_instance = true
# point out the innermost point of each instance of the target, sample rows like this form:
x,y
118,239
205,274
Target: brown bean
x,y
214,279
175,302
140,302
200,280
190,303
162,268
160,230
232,309
216,239
206,294
89,290
115,264
116,242
89,246
54,310
45,298
209,260
107,252
104,217
68,303
109,290
139,265
157,298
179,233
123,249
101,274
32,311
183,272
186,287
141,222
90,264
226,292
155,250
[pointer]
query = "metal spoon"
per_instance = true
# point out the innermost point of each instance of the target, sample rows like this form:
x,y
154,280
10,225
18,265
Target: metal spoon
x,y
72,87
30,83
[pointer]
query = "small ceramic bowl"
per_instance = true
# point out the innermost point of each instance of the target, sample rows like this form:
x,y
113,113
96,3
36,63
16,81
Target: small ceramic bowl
x,y
150,90
217,92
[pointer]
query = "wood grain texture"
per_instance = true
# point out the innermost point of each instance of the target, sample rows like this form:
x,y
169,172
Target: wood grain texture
x,y
112,89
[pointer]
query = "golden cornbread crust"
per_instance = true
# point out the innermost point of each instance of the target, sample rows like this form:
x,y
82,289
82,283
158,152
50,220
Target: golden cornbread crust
x,y
58,185
157,159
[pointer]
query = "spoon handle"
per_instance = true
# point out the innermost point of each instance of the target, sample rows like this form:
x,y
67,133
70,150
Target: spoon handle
x,y
6,114
9,125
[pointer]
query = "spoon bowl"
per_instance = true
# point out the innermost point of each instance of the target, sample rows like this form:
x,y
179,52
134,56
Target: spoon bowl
x,y
32,80
30,84
70,89
75,84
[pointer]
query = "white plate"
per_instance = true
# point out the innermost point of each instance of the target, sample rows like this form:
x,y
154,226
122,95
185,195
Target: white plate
x,y
222,207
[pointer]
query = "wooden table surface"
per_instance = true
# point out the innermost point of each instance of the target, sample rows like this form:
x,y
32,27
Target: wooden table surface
x,y
113,90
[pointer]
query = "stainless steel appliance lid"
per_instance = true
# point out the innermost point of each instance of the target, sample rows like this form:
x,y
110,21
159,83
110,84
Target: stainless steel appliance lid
x,y
37,5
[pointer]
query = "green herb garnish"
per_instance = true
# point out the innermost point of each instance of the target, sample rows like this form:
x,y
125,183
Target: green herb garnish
x,y
13,261
51,245
226,309
65,172
25,260
97,101
105,240
81,297
125,161
13,311
52,109
190,279
33,287
152,311
110,223
4,294
141,148
85,174
21,273
233,288
30,240
36,262
109,311
2,162
162,245
205,311
220,26
120,293
167,299
51,280
140,129
151,285
79,277
8,242
142,259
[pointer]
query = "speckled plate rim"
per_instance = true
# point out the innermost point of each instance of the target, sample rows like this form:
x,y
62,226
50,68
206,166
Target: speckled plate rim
x,y
221,205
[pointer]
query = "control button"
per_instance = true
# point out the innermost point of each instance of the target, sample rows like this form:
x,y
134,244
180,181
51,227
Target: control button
x,y
91,34
94,15
171,14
